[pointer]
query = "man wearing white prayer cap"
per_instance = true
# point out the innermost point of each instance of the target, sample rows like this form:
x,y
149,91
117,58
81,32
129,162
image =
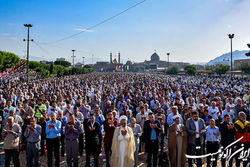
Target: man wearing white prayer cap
x,y
123,145
177,142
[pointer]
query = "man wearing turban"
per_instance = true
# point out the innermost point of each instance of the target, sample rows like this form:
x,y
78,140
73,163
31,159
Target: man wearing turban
x,y
123,145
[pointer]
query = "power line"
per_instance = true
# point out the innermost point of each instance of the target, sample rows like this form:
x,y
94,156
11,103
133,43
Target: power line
x,y
98,24
65,48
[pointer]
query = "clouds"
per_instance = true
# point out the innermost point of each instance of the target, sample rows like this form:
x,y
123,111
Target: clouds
x,y
4,34
84,30
7,36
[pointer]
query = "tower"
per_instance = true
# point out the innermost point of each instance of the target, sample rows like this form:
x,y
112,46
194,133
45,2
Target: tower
x,y
119,58
111,62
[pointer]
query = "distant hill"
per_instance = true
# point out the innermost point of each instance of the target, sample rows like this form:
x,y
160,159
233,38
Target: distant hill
x,y
226,58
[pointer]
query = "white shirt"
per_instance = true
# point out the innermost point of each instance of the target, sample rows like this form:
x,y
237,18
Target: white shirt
x,y
178,126
213,112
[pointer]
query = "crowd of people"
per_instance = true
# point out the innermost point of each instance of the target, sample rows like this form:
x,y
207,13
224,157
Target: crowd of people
x,y
173,119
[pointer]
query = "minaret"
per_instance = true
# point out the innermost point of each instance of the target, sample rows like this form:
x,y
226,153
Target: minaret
x,y
111,61
119,58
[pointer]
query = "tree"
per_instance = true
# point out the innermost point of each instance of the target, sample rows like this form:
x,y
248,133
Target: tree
x,y
190,69
62,63
245,68
34,64
222,69
8,60
173,70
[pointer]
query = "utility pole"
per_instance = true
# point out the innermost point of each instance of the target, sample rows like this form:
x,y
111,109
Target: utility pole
x,y
231,36
92,59
168,58
83,61
73,57
28,47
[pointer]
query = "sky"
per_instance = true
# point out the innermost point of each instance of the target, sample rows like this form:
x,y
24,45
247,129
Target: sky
x,y
192,31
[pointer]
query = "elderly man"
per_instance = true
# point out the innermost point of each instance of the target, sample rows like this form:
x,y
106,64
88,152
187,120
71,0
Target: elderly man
x,y
137,133
17,118
123,145
242,127
177,143
33,137
174,111
11,134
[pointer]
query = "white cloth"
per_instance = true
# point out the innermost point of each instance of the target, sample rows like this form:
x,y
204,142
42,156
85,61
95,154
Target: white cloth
x,y
123,146
123,117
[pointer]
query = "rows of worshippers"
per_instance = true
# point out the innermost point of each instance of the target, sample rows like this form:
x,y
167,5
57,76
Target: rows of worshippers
x,y
125,115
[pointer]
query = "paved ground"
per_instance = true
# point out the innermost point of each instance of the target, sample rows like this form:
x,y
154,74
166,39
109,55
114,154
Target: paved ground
x,y
142,160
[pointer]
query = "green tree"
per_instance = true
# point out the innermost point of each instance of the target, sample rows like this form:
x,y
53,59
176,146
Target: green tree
x,y
245,68
8,60
222,69
190,69
34,64
173,70
62,63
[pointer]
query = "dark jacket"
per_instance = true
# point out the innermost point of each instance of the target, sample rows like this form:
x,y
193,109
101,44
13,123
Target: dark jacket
x,y
147,130
227,135
92,137
109,131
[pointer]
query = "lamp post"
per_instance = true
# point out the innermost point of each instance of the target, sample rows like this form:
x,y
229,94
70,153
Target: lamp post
x,y
231,36
28,47
83,61
73,57
168,59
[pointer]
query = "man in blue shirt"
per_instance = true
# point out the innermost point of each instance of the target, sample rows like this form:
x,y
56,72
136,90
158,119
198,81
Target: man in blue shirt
x,y
53,132
213,137
33,137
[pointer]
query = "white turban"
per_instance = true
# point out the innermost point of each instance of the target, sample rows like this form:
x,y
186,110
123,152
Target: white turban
x,y
176,116
122,118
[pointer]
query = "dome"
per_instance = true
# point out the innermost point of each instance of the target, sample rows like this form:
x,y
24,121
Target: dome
x,y
155,57
115,61
129,62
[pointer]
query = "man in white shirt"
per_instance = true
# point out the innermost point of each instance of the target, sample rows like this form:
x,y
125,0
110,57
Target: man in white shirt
x,y
213,111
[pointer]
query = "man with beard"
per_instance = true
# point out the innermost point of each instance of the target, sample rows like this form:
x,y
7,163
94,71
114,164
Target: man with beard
x,y
109,127
123,145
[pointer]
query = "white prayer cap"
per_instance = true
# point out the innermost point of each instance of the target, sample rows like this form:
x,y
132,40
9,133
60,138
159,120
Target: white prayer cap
x,y
176,116
123,117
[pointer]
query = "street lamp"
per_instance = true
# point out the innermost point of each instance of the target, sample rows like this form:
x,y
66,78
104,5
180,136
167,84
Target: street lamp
x,y
73,57
28,43
231,36
168,59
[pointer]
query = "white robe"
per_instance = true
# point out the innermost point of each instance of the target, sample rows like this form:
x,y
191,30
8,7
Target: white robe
x,y
123,147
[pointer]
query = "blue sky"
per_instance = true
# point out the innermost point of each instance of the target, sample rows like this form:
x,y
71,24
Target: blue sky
x,y
191,30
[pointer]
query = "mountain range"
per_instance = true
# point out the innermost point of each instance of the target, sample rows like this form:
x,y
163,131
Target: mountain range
x,y
226,58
